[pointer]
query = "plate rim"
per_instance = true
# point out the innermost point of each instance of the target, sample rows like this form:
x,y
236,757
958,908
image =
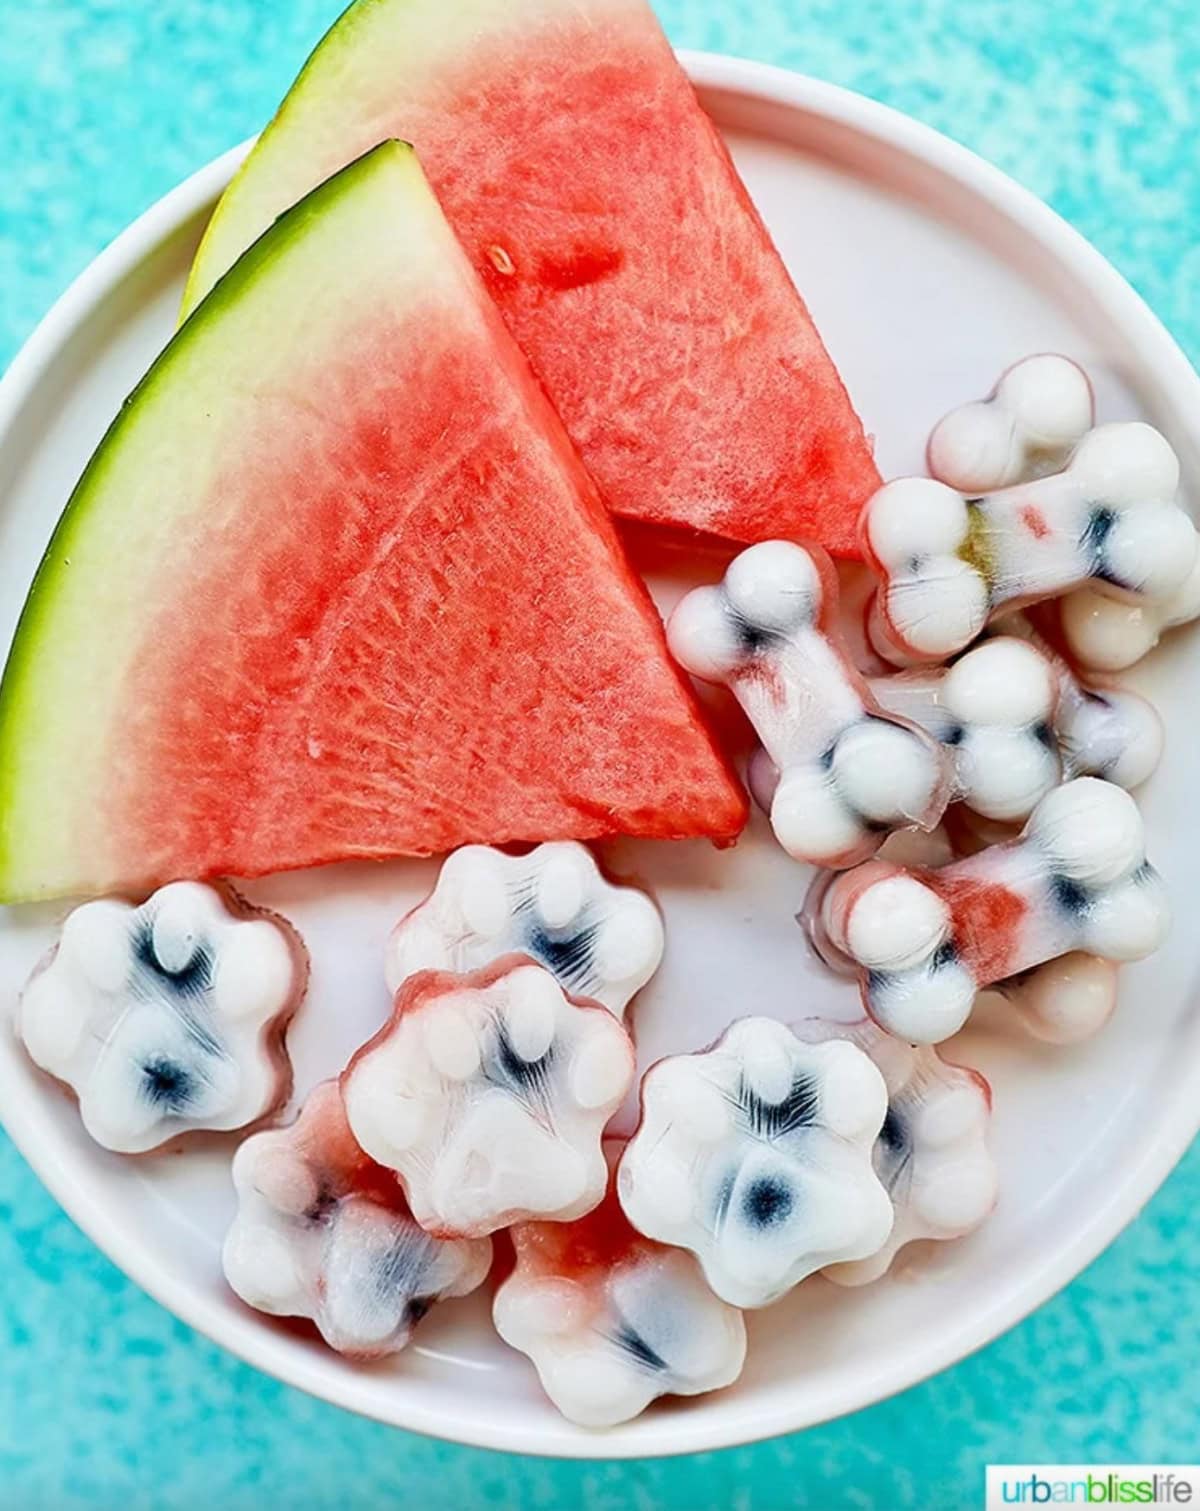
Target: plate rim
x,y
691,1431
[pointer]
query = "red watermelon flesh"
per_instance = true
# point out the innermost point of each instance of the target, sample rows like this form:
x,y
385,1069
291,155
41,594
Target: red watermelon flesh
x,y
599,204
358,596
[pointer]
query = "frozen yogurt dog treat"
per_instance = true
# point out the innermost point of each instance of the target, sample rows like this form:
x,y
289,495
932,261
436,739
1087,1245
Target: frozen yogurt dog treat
x,y
839,773
488,1094
924,942
932,1152
1018,721
1066,1000
600,940
613,1320
994,709
169,1017
324,1232
1039,412
756,1155
1105,634
1105,731
1027,428
949,563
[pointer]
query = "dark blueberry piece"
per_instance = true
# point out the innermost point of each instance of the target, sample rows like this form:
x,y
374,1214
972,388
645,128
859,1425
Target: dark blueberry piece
x,y
893,1135
166,1084
945,955
751,637
897,1150
630,1342
955,735
191,979
529,1079
1043,733
418,1307
1097,530
322,1205
766,1203
1068,895
769,1120
568,957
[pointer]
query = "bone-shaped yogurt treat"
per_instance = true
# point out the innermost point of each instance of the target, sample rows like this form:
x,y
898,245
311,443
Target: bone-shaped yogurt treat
x,y
925,942
844,772
932,1152
1108,635
994,709
488,1094
325,1233
167,1018
1039,412
1101,731
613,1320
756,1155
1027,428
1063,1001
600,940
949,563
1018,720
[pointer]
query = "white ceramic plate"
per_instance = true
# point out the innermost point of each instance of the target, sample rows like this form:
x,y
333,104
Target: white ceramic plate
x,y
927,272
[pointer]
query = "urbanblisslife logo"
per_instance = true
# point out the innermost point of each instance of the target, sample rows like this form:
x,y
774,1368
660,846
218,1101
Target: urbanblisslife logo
x,y
1093,1485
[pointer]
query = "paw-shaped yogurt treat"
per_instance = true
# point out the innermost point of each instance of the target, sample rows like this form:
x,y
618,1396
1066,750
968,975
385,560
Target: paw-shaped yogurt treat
x,y
949,563
488,1094
613,1320
994,709
1107,635
1027,428
932,1152
324,1232
842,773
924,942
169,1017
756,1155
601,941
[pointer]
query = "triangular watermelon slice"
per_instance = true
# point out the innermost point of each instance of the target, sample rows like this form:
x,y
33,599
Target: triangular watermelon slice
x,y
335,584
598,202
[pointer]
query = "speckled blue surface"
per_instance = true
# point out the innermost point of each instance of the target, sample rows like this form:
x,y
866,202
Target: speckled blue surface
x,y
105,1400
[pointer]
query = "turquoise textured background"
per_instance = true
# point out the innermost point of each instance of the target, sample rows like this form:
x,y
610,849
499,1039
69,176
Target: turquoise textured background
x,y
108,1402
